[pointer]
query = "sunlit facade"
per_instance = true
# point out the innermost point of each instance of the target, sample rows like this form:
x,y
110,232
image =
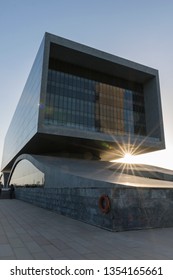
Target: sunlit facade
x,y
82,102
92,105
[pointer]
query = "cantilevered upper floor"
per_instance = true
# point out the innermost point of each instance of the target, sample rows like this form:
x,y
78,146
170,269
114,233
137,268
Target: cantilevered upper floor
x,y
79,101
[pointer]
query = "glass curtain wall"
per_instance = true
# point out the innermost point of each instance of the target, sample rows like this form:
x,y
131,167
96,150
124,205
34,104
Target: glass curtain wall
x,y
25,120
26,174
88,104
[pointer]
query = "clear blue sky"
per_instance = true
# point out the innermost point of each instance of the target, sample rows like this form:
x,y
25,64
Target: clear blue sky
x,y
139,30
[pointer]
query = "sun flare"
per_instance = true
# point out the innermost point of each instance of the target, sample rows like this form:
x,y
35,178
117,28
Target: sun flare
x,y
128,158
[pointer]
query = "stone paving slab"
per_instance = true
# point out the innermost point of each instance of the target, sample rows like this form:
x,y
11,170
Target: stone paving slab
x,y
30,232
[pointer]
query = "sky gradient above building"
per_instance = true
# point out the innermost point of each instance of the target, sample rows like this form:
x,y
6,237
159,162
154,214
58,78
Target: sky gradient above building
x,y
136,30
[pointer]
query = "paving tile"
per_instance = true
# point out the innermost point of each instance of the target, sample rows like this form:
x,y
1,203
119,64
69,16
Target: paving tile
x,y
20,230
3,239
2,232
52,251
33,247
41,256
61,245
79,248
25,237
91,256
11,234
36,233
41,240
71,254
16,242
12,257
5,250
22,254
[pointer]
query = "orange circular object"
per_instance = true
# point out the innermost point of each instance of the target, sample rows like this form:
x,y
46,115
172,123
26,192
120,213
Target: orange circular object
x,y
104,203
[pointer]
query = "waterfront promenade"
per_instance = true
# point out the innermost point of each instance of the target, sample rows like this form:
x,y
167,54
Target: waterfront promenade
x,y
30,232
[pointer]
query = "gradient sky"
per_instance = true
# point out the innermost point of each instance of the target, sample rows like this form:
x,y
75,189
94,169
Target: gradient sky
x,y
139,30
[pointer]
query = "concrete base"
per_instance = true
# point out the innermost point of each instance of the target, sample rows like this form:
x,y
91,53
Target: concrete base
x,y
131,207
5,194
73,188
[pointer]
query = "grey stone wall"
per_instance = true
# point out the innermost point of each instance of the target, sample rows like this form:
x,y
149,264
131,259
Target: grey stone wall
x,y
131,208
142,208
78,203
5,194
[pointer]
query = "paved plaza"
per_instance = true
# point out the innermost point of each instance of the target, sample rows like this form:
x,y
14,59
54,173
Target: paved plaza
x,y
30,232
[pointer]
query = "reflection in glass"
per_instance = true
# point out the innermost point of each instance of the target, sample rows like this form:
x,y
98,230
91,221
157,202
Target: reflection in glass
x,y
83,103
25,120
26,174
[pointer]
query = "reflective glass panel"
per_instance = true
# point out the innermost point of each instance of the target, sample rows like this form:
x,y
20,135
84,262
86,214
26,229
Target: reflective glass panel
x,y
76,100
26,174
25,120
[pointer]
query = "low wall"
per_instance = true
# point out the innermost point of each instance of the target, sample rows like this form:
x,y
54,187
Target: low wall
x,y
5,194
130,208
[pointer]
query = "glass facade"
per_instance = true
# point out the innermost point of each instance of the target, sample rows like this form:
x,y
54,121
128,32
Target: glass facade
x,y
89,104
25,120
77,98
26,174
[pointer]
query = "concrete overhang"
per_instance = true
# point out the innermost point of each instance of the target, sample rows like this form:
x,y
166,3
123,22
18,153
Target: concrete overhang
x,y
90,58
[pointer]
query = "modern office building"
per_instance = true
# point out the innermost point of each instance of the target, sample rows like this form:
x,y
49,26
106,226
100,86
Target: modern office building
x,y
79,100
80,103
